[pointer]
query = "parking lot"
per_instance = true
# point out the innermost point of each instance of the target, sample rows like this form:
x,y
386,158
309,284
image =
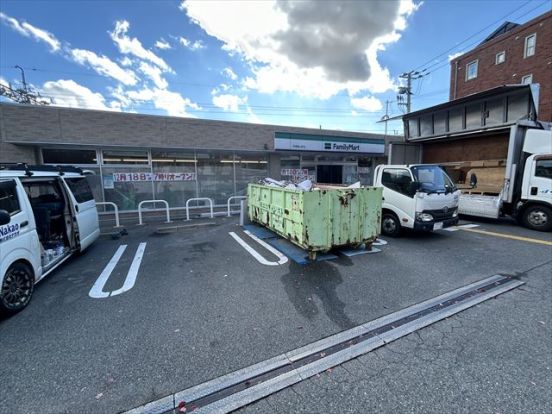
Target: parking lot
x,y
117,327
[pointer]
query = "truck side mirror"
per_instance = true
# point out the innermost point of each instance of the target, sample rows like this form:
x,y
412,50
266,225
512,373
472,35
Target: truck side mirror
x,y
5,217
413,187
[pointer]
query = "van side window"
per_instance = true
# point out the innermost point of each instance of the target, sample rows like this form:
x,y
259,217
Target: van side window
x,y
80,189
397,180
543,168
8,198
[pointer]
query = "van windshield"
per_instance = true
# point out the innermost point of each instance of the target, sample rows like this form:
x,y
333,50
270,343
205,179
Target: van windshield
x,y
433,179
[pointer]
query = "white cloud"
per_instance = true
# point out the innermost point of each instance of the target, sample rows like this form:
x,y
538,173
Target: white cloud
x,y
454,56
133,46
69,93
172,102
229,73
104,66
126,61
154,73
229,102
162,44
367,103
315,49
196,45
29,30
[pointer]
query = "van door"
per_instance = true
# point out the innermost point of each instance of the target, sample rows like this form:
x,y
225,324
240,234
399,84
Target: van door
x,y
84,209
18,238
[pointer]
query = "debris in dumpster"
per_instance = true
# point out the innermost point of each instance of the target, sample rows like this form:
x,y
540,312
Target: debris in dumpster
x,y
317,221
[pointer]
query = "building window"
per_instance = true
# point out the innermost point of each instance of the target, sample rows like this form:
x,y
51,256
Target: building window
x,y
68,156
500,58
125,157
527,79
471,70
530,45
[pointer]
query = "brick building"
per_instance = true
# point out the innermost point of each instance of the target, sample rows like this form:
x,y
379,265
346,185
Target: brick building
x,y
514,53
130,155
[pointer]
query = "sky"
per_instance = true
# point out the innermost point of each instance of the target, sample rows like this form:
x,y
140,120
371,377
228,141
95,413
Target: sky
x,y
321,64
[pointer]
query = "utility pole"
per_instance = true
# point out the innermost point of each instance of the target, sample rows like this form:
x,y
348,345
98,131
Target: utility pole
x,y
23,95
22,78
404,96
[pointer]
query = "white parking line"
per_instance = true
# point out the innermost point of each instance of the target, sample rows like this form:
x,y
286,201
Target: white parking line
x,y
132,272
281,258
97,291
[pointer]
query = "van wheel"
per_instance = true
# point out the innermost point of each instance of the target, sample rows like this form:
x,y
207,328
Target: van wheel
x,y
17,288
537,218
390,225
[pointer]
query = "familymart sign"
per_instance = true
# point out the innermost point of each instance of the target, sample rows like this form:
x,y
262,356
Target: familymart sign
x,y
327,143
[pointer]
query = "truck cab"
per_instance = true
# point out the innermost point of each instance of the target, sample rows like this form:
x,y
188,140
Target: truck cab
x,y
421,197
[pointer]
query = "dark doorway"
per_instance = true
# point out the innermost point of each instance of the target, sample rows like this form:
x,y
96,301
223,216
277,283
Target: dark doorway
x,y
329,174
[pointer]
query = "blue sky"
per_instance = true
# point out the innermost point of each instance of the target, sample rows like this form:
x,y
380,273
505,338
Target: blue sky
x,y
328,64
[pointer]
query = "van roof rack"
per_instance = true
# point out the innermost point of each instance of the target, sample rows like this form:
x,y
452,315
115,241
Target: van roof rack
x,y
30,169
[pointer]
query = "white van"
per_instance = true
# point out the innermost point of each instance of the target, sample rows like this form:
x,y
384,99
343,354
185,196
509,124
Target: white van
x,y
46,215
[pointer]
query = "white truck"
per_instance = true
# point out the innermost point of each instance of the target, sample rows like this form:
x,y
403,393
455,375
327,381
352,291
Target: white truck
x,y
46,215
421,197
527,191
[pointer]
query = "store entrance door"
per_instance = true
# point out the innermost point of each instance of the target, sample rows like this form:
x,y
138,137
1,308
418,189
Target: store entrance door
x,y
329,174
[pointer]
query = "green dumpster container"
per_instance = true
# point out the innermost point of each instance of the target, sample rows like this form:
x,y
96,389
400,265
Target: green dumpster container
x,y
318,220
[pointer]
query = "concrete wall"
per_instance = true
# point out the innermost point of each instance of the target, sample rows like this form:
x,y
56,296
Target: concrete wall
x,y
25,124
490,75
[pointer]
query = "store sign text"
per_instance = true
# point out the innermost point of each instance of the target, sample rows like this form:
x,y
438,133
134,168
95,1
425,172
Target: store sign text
x,y
328,145
147,176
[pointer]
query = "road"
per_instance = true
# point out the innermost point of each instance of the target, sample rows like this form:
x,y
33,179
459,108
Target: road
x,y
201,306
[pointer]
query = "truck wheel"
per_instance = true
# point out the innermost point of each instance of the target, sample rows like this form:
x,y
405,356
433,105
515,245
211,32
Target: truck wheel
x,y
390,225
537,218
17,289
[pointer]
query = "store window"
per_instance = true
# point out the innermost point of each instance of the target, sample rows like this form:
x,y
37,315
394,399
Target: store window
x,y
68,156
471,70
175,177
215,176
127,186
250,168
530,45
364,171
500,58
125,157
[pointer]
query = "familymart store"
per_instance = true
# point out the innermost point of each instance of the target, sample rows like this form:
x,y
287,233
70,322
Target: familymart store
x,y
137,157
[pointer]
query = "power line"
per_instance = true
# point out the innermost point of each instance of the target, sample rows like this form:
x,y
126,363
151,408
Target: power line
x,y
446,63
471,36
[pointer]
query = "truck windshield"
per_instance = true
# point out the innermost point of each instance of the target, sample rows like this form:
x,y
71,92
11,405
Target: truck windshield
x,y
432,179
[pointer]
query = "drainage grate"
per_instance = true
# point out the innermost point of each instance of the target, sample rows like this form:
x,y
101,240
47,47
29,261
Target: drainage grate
x,y
238,389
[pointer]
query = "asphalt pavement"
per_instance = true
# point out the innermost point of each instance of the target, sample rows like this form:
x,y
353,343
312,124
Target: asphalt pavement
x,y
202,306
